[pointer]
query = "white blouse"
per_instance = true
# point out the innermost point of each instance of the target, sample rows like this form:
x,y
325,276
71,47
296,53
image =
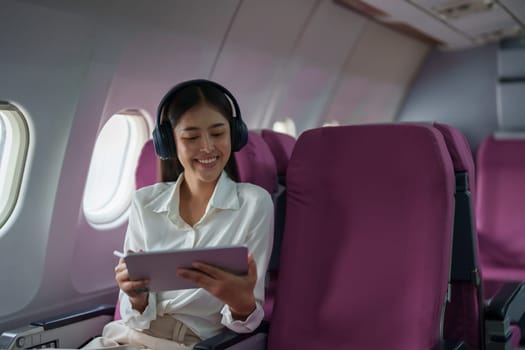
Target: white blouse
x,y
237,213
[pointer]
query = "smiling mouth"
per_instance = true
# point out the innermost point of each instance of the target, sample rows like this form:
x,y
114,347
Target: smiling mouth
x,y
207,161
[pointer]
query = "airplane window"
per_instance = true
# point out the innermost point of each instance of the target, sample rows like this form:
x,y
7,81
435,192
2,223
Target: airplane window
x,y
111,180
14,144
286,126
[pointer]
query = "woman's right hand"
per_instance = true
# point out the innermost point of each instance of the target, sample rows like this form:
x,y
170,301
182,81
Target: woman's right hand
x,y
137,291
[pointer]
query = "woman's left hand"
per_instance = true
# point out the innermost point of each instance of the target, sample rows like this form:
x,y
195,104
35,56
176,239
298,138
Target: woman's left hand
x,y
235,291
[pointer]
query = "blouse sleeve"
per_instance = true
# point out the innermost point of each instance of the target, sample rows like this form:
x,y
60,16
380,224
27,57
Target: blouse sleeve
x,y
259,242
135,241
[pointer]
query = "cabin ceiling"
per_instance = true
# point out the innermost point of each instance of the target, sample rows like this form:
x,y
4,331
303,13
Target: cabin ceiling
x,y
451,24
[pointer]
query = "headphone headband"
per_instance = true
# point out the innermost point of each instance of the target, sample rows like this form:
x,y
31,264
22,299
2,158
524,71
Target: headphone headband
x,y
163,133
174,90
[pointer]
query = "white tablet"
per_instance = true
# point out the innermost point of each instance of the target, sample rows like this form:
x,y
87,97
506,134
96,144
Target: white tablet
x,y
160,266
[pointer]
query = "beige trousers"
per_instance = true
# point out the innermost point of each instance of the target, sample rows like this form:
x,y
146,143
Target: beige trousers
x,y
164,333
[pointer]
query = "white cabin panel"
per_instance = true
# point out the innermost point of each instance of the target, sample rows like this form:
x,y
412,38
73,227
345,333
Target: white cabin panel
x,y
259,45
376,76
312,73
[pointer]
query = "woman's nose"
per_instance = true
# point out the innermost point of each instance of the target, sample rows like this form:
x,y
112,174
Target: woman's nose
x,y
207,143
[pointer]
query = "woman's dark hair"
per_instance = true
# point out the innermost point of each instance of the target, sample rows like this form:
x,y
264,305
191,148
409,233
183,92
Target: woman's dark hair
x,y
179,104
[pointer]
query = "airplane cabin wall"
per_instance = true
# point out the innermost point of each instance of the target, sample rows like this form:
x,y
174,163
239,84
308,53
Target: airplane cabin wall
x,y
72,65
457,88
376,76
46,56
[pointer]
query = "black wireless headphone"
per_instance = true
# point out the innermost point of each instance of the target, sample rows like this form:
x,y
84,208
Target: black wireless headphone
x,y
163,133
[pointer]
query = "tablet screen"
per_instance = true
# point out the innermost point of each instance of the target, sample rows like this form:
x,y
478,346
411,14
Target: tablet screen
x,y
160,266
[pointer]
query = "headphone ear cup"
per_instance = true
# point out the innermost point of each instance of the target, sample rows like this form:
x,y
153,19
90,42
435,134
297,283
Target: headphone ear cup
x,y
239,134
163,141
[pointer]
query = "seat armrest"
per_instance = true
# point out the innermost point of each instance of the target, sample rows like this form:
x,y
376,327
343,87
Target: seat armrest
x,y
509,302
450,345
507,306
64,320
229,338
70,330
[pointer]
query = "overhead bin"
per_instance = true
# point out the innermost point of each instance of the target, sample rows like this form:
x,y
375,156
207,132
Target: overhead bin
x,y
455,24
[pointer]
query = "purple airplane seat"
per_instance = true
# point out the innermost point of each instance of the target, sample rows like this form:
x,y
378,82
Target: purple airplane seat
x,y
466,306
500,205
281,146
365,258
500,208
256,164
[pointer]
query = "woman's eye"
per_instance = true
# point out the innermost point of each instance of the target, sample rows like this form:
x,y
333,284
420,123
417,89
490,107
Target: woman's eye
x,y
191,138
217,134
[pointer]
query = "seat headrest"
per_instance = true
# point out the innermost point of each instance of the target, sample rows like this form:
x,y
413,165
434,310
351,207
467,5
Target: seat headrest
x,y
460,152
147,171
256,164
281,145
497,151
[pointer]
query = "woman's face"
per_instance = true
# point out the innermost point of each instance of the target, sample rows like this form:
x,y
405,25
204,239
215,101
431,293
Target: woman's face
x,y
202,138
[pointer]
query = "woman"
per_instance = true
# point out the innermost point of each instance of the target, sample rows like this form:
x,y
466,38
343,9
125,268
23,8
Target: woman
x,y
203,207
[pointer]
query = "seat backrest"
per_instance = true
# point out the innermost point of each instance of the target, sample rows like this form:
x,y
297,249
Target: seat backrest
x,y
366,252
464,316
281,145
147,171
256,164
500,208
